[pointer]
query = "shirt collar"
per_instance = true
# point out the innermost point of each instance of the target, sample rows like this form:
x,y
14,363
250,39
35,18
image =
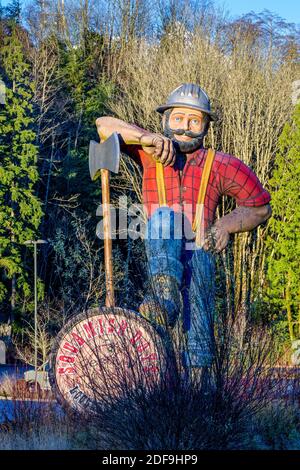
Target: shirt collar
x,y
183,159
197,155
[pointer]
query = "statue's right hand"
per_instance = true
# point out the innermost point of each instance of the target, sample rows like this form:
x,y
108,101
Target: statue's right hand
x,y
164,150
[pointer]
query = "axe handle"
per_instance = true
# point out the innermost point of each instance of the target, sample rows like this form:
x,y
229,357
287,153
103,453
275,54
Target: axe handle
x,y
110,296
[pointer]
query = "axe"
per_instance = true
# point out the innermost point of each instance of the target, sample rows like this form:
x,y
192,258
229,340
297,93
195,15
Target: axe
x,y
103,158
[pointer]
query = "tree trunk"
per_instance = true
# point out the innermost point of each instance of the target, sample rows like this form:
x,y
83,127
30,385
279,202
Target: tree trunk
x,y
13,298
289,308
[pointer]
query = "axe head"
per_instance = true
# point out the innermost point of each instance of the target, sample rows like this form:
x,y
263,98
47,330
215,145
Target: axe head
x,y
104,156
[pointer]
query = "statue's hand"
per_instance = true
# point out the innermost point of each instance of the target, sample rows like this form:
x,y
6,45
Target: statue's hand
x,y
164,150
216,239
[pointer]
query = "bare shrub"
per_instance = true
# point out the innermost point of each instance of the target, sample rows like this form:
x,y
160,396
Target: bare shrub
x,y
25,346
276,427
250,88
45,439
28,423
35,425
131,408
6,385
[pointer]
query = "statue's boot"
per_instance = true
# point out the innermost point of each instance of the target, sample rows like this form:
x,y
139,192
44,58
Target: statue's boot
x,y
163,305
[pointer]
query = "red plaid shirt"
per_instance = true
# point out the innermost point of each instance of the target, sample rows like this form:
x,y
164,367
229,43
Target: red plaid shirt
x,y
229,176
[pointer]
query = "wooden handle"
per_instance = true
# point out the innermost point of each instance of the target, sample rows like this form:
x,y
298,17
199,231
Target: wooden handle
x,y
110,295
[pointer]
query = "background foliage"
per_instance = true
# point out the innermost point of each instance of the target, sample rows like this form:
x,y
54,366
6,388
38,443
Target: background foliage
x,y
66,63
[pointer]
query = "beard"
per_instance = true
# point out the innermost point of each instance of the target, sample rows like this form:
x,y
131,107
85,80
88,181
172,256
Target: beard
x,y
184,147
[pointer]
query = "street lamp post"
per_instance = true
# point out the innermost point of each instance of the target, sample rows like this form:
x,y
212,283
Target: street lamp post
x,y
35,243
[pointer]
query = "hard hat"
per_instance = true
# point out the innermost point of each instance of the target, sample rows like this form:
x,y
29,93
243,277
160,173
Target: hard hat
x,y
188,95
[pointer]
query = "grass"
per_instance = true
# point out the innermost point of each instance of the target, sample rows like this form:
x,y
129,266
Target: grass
x,y
187,419
276,427
7,386
36,425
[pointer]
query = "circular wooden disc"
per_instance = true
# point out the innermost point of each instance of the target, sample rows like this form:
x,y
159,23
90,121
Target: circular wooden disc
x,y
103,354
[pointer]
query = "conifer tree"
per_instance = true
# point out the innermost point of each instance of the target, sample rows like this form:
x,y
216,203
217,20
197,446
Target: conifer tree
x,y
284,239
13,11
20,209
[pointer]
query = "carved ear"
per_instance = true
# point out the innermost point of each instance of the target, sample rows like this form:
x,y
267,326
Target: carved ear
x,y
206,128
165,116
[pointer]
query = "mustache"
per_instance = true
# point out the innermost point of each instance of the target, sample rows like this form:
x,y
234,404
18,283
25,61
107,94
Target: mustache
x,y
187,147
194,135
183,147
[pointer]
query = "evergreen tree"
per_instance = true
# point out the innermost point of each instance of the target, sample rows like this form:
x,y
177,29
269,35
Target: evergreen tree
x,y
284,239
13,11
85,93
20,209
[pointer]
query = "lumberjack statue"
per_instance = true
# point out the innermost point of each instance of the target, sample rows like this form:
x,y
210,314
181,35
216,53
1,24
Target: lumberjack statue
x,y
182,184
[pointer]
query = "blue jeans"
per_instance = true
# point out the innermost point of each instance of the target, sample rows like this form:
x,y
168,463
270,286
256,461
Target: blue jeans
x,y
194,269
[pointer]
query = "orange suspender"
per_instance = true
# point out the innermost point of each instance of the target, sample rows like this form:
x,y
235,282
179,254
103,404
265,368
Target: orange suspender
x,y
160,181
197,223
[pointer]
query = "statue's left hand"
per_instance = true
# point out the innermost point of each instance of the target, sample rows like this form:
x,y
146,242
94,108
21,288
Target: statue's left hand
x,y
216,239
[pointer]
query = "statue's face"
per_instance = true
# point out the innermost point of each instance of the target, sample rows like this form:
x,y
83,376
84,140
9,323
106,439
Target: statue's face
x,y
186,126
187,120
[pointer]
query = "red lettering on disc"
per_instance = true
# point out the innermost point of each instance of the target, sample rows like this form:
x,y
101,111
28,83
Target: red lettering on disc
x,y
66,370
150,357
67,359
123,327
111,328
136,337
151,369
142,347
80,341
89,328
70,347
101,326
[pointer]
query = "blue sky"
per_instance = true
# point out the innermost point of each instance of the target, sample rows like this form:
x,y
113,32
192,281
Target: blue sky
x,y
287,9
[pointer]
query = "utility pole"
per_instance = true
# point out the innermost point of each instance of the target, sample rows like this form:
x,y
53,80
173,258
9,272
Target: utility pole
x,y
35,243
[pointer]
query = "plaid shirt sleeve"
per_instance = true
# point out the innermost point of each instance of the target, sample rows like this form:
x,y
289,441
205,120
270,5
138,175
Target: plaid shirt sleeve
x,y
136,152
133,151
240,182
